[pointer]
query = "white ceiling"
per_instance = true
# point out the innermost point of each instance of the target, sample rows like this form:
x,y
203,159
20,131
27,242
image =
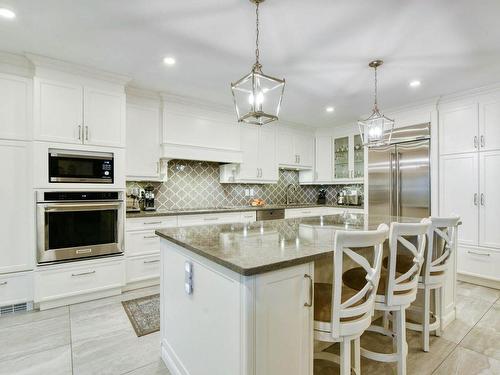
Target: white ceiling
x,y
321,47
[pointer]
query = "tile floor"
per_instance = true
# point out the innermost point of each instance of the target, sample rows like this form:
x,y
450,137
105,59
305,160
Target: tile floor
x,y
97,338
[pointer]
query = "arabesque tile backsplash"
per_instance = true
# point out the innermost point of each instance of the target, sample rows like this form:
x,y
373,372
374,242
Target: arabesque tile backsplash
x,y
195,184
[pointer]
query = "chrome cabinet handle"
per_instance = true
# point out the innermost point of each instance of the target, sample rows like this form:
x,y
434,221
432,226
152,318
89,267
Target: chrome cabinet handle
x,y
257,172
475,199
149,237
79,132
477,253
482,141
311,291
210,218
475,141
153,222
299,158
482,199
83,273
3,283
151,261
86,133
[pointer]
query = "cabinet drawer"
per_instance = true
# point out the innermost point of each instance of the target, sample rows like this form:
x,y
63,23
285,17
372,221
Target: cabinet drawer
x,y
141,242
139,223
143,268
16,288
208,219
248,217
479,262
291,213
71,280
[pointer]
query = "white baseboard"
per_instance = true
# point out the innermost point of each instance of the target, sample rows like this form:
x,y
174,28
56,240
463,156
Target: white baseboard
x,y
79,298
171,361
141,284
489,283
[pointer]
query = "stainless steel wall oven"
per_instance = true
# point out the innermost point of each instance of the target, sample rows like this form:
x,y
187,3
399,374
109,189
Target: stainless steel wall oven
x,y
74,225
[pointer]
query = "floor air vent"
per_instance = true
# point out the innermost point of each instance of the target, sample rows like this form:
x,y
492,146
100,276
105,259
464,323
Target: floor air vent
x,y
18,307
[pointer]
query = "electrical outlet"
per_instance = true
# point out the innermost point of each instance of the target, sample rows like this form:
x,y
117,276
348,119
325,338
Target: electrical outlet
x,y
247,192
252,193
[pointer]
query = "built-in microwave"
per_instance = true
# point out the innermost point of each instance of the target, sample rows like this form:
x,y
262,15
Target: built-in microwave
x,y
68,166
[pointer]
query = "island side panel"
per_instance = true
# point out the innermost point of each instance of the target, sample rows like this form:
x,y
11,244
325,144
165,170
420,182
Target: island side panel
x,y
200,332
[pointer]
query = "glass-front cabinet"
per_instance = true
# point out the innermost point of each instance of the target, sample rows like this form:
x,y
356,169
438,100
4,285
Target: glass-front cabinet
x,y
348,159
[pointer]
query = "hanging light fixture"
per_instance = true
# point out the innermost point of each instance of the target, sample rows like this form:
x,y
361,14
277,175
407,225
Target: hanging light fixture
x,y
257,97
376,129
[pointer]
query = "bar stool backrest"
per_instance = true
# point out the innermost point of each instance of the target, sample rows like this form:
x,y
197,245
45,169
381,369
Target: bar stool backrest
x,y
357,310
401,289
437,259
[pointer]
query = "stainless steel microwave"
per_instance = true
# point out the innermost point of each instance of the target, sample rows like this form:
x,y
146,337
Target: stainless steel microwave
x,y
67,166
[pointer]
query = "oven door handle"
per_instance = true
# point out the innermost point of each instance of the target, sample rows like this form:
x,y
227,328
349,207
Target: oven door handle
x,y
63,207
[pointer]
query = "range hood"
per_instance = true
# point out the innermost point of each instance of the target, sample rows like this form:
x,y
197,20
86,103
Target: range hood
x,y
170,151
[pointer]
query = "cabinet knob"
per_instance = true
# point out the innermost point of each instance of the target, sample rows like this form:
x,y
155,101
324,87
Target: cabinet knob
x,y
475,141
482,141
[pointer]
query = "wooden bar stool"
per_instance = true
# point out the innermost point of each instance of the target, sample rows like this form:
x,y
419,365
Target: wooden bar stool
x,y
396,291
341,315
441,245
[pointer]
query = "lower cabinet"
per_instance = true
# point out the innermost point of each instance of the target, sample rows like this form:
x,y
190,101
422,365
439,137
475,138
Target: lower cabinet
x,y
292,213
479,263
16,288
67,283
142,268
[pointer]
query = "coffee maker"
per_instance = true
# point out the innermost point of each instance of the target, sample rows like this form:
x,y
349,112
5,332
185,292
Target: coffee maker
x,y
148,199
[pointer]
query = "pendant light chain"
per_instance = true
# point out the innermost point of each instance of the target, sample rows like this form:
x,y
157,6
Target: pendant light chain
x,y
375,103
257,66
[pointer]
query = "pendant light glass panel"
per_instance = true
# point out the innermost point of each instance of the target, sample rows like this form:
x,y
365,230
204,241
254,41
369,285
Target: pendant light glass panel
x,y
257,98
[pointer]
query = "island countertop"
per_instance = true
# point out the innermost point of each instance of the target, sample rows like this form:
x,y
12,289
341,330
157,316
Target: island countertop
x,y
263,246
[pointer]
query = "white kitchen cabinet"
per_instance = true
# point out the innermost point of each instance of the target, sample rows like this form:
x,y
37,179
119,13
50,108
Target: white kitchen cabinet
x,y
17,202
295,149
58,110
16,288
458,194
348,159
209,219
104,117
489,124
15,107
458,129
73,113
322,171
258,146
479,262
489,199
143,143
143,268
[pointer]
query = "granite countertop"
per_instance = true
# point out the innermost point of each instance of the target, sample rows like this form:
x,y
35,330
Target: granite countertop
x,y
212,210
264,246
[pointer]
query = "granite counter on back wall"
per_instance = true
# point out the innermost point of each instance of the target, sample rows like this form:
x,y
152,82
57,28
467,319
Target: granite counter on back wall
x,y
194,185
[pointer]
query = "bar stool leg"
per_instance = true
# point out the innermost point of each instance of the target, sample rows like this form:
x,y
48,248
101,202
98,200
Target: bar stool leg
x,y
401,341
345,357
357,356
426,320
441,309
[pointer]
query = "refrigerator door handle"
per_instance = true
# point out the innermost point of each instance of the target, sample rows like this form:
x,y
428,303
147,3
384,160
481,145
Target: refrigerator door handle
x,y
391,183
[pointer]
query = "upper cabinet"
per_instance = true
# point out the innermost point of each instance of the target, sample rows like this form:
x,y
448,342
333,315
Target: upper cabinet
x,y
258,146
295,149
15,107
348,159
143,142
458,129
73,113
489,124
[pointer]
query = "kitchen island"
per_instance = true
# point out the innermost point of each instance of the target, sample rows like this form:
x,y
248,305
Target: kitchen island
x,y
237,298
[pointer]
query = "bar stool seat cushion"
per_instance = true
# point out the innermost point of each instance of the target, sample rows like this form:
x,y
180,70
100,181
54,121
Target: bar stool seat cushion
x,y
404,263
323,302
355,279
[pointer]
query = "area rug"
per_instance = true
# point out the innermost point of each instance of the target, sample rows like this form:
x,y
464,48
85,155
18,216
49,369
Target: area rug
x,y
144,314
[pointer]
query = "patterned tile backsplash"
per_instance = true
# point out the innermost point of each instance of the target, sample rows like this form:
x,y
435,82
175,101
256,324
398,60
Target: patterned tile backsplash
x,y
195,184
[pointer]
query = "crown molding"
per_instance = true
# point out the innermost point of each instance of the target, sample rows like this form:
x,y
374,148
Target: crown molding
x,y
47,62
168,97
467,94
15,64
142,92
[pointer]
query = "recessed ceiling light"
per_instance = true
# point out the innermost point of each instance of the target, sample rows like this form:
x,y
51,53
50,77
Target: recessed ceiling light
x,y
7,13
415,83
169,61
330,109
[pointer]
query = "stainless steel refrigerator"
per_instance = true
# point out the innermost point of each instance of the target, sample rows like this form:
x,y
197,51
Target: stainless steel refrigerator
x,y
399,174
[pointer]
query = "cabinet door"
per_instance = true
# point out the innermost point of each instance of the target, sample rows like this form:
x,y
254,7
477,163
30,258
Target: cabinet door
x,y
304,148
15,107
489,188
286,149
104,118
143,142
284,325
459,187
58,111
250,150
489,123
17,202
267,154
323,163
358,157
458,129
341,158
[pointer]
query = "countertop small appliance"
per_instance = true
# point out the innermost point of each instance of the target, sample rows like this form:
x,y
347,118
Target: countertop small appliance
x,y
322,196
148,199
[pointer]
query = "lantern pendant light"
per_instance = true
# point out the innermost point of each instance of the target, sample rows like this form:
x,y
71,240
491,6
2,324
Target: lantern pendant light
x,y
257,97
376,129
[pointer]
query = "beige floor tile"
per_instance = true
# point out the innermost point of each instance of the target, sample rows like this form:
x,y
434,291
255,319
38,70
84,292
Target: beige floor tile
x,y
467,362
55,361
26,339
156,368
485,336
31,316
100,322
117,353
476,291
